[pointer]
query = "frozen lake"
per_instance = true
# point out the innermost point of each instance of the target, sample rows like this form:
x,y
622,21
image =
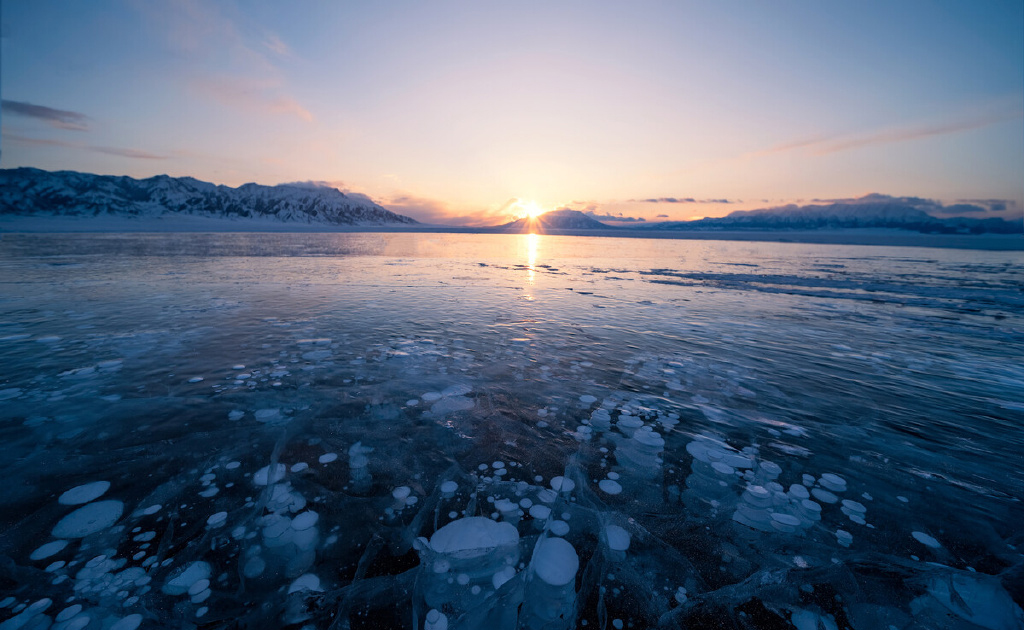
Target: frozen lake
x,y
501,431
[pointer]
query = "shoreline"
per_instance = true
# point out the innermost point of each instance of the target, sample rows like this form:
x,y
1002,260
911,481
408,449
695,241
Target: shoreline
x,y
865,236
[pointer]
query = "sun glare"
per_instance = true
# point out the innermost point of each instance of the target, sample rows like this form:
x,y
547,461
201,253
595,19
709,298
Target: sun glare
x,y
530,209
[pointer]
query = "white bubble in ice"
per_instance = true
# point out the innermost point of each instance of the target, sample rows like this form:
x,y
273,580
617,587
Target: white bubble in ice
x,y
48,549
263,476
559,528
555,561
185,577
153,509
618,538
609,486
436,620
327,458
196,379
473,536
131,622
449,487
561,484
84,493
217,520
431,396
926,540
89,519
541,512
299,467
305,582
588,399
305,520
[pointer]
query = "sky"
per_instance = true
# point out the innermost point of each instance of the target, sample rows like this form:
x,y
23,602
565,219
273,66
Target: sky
x,y
470,113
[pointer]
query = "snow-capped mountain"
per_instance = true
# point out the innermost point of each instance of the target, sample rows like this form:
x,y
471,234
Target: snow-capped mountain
x,y
30,191
563,219
870,211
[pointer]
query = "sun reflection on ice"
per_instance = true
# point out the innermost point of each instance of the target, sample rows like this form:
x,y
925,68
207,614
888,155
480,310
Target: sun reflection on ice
x,y
531,241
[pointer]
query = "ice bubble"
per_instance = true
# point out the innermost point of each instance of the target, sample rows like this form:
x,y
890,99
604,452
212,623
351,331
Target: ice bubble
x,y
238,367
618,538
305,520
588,399
799,492
561,484
436,620
84,493
833,482
681,595
185,577
68,613
198,587
902,499
555,561
609,486
456,390
926,540
153,509
236,415
473,536
401,492
217,520
807,620
844,537
196,379
254,567
305,582
617,624
431,396
267,415
559,528
89,519
327,458
502,576
264,477
541,512
824,496
299,467
48,549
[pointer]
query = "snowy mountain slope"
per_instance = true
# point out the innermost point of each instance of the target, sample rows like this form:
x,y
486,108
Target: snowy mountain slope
x,y
33,192
563,219
871,211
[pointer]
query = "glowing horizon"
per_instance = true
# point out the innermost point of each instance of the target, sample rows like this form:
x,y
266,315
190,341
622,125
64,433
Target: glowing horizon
x,y
461,114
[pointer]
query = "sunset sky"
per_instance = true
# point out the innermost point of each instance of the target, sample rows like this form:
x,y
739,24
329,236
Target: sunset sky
x,y
465,112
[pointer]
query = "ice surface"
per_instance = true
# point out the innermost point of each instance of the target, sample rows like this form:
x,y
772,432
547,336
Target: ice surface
x,y
778,445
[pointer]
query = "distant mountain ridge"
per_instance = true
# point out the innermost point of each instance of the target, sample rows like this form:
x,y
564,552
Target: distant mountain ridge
x,y
563,219
871,211
34,192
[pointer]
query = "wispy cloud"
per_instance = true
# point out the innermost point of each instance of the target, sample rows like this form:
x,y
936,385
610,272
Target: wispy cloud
x,y
59,118
255,95
247,78
49,142
993,205
615,218
682,200
824,145
128,153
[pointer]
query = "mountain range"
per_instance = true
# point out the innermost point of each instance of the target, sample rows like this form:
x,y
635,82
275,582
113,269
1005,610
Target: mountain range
x,y
564,219
870,211
30,191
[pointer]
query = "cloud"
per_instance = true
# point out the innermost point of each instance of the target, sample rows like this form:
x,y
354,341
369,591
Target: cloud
x,y
615,218
993,205
681,200
59,118
216,35
665,200
661,216
118,151
128,153
263,96
824,145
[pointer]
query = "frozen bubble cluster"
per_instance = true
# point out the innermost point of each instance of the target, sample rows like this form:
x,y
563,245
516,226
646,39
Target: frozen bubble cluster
x,y
311,431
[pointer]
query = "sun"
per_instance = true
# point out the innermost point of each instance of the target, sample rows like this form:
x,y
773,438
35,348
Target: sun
x,y
531,209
